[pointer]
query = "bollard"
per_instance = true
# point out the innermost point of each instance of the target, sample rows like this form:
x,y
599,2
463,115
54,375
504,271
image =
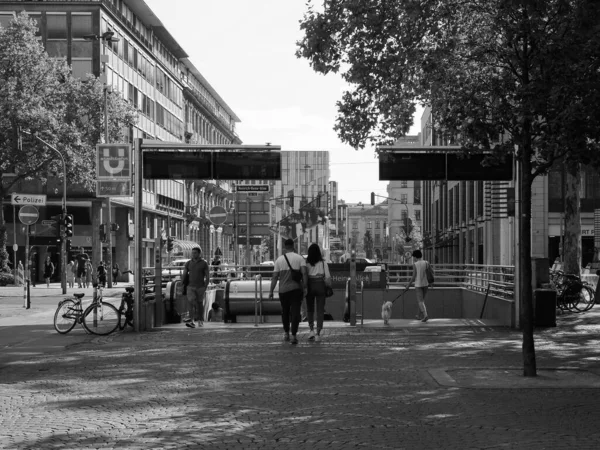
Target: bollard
x,y
95,299
25,294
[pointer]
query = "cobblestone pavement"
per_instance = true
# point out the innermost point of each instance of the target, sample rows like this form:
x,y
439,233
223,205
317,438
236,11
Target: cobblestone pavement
x,y
243,388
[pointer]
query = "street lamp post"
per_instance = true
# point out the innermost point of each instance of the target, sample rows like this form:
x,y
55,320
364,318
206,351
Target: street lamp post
x,y
107,36
63,249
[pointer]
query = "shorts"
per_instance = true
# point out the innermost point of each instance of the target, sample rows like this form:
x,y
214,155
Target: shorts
x,y
80,272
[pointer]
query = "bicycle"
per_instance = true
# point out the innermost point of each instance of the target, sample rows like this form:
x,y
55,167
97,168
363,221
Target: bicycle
x,y
572,292
98,318
126,309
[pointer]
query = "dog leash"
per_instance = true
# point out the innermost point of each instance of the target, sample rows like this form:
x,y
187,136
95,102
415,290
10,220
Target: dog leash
x,y
401,294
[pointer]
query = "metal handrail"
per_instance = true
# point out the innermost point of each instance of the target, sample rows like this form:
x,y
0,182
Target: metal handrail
x,y
257,284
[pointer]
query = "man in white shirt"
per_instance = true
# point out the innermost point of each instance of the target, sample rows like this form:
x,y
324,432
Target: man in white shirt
x,y
419,277
291,292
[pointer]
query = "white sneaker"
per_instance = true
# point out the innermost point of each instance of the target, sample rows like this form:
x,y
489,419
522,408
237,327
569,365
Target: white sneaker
x,y
318,338
311,335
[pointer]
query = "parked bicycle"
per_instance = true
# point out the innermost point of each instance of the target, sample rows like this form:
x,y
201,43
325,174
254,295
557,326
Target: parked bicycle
x,y
99,317
572,292
126,308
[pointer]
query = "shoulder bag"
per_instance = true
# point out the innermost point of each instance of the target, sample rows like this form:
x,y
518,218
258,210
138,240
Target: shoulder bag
x,y
328,288
296,274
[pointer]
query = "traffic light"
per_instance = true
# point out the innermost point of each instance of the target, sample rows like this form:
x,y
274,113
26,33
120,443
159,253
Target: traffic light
x,y
68,246
291,198
102,232
68,225
169,244
372,198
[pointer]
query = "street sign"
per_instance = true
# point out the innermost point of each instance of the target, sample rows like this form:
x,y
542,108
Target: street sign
x,y
113,188
28,215
252,188
217,215
113,161
15,247
28,199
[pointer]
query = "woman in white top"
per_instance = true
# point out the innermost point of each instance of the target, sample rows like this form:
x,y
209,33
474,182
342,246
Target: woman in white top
x,y
419,277
318,278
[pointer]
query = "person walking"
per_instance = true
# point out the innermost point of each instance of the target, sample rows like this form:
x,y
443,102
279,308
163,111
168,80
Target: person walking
x,y
48,270
195,280
318,279
71,271
115,273
101,271
290,272
81,259
88,274
419,277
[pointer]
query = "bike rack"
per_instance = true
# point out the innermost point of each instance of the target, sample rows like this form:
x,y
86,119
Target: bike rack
x,y
257,299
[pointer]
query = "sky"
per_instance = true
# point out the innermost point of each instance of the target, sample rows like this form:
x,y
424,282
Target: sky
x,y
246,51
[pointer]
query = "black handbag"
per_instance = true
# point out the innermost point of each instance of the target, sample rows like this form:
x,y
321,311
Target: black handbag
x,y
296,274
328,289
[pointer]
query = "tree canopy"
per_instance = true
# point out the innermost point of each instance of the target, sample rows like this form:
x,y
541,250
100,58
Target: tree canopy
x,y
503,76
39,95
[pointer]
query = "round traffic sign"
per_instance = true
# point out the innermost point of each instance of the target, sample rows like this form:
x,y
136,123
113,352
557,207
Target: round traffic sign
x,y
217,215
28,215
15,247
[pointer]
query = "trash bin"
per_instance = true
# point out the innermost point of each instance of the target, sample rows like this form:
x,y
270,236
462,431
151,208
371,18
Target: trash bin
x,y
545,308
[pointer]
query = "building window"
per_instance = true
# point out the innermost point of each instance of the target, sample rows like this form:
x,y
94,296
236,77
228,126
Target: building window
x,y
418,215
56,35
377,224
354,225
377,238
369,225
403,198
403,184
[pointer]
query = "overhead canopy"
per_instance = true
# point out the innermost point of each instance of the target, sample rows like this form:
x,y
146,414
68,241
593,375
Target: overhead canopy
x,y
183,249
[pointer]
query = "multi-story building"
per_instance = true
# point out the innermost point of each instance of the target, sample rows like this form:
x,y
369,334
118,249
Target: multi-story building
x,y
405,200
304,183
149,68
369,221
473,221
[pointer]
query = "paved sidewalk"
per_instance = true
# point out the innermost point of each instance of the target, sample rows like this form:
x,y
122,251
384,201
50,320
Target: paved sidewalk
x,y
440,385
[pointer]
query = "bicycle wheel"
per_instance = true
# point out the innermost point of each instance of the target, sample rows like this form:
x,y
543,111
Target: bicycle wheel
x,y
586,299
571,296
101,319
65,317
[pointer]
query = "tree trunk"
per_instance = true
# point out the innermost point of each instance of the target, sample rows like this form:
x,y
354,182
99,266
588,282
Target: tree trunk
x,y
525,291
3,235
572,232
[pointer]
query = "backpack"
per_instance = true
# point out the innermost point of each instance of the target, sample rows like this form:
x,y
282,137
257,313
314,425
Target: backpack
x,y
429,273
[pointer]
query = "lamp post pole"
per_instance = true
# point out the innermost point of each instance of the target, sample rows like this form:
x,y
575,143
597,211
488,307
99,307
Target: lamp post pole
x,y
63,249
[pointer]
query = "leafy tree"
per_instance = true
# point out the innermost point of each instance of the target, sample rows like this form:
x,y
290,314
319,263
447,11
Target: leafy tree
x,y
506,76
39,95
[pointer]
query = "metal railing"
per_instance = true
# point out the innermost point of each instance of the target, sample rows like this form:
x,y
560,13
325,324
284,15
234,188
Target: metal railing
x,y
474,277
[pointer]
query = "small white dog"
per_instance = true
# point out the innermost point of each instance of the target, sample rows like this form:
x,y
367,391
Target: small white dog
x,y
386,312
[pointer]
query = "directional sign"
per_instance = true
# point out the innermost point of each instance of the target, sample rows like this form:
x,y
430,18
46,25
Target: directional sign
x,y
113,188
252,188
28,215
28,199
217,215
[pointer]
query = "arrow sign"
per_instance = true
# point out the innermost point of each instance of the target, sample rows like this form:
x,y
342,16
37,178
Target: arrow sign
x,y
28,199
